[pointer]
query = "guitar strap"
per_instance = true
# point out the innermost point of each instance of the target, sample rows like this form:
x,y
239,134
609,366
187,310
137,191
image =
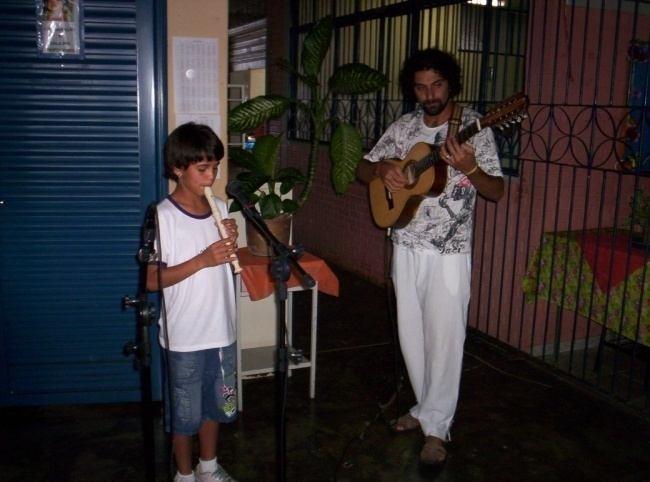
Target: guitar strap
x,y
454,122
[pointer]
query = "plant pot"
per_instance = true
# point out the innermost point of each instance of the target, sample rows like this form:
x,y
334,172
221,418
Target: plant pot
x,y
281,229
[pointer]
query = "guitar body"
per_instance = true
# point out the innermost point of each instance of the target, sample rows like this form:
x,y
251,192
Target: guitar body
x,y
398,208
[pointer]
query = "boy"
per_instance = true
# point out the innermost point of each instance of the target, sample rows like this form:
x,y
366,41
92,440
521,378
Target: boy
x,y
197,317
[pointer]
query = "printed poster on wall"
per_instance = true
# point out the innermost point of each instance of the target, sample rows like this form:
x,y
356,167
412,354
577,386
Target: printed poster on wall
x,y
58,27
196,75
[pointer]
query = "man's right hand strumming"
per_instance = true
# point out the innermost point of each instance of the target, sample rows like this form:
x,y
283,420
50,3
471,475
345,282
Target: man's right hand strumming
x,y
391,175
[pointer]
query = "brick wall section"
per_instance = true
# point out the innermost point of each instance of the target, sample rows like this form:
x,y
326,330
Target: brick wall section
x,y
339,228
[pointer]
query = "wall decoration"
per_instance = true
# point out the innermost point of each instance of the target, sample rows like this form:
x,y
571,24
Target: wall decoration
x,y
58,27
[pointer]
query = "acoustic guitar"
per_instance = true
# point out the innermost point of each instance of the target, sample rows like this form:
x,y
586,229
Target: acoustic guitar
x,y
426,171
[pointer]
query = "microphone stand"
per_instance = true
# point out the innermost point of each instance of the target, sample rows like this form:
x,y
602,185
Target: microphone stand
x,y
141,348
283,259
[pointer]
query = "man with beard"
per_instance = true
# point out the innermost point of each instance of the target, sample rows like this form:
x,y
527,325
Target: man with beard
x,y
431,265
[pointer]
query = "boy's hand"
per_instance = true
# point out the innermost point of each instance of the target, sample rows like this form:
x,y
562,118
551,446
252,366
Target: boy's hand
x,y
219,252
231,228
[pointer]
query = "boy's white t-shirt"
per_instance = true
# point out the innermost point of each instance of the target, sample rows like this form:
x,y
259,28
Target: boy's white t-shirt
x,y
200,310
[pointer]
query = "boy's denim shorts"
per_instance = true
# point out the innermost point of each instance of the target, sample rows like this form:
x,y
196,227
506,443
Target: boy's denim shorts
x,y
202,385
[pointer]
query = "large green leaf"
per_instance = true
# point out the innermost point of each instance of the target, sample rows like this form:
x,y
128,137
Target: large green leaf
x,y
266,152
252,181
289,206
345,152
241,158
315,46
356,79
256,111
289,177
270,206
235,206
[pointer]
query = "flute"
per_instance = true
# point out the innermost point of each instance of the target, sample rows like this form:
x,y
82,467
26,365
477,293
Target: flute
x,y
207,190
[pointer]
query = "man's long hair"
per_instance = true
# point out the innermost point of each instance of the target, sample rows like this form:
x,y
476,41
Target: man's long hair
x,y
430,59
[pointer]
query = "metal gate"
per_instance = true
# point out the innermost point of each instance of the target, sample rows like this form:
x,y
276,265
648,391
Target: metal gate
x,y
561,264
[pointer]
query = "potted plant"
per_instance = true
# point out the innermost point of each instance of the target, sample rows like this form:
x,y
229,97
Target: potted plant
x,y
345,150
267,186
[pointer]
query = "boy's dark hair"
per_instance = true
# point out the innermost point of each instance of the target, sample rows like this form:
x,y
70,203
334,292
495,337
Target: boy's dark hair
x,y
430,59
190,143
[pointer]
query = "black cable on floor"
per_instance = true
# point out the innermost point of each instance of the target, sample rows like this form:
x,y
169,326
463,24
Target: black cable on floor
x,y
398,368
398,371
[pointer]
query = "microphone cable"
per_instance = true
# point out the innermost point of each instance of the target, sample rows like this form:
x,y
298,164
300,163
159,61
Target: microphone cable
x,y
398,366
166,363
398,372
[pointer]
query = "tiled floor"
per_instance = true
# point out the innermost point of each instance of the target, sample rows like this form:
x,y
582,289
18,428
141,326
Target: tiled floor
x,y
515,421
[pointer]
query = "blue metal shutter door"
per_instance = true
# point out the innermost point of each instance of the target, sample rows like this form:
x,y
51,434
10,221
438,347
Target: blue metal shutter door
x,y
73,186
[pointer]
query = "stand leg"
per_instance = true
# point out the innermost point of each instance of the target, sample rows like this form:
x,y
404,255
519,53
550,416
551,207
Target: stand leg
x,y
240,396
281,392
314,335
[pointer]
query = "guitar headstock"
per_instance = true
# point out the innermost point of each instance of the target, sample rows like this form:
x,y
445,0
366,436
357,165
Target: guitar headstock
x,y
509,112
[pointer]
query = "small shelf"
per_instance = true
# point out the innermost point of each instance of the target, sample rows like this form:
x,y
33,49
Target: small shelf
x,y
261,361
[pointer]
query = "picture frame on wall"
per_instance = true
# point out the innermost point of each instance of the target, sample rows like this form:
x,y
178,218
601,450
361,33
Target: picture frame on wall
x,y
59,28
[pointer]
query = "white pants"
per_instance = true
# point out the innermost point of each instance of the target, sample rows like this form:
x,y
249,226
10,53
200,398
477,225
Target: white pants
x,y
432,293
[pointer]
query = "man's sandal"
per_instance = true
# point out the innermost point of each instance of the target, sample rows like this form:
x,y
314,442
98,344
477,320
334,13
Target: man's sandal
x,y
433,452
406,422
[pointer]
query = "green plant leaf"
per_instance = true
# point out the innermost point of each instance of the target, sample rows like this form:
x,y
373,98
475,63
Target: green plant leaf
x,y
288,178
256,111
241,157
286,186
289,206
315,47
345,152
266,152
356,79
270,206
235,206
252,181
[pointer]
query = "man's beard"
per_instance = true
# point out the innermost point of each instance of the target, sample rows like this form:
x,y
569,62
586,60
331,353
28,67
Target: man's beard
x,y
434,108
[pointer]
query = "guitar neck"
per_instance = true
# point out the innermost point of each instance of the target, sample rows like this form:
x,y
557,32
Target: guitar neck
x,y
467,133
463,136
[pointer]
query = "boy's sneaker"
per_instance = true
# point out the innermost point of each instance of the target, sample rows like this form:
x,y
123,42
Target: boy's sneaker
x,y
219,475
180,478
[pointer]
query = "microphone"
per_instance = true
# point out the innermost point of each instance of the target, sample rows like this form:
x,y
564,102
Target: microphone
x,y
236,190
